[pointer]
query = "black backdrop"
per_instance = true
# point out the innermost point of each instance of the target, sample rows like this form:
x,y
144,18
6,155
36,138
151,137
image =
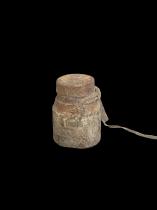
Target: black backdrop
x,y
115,46
119,50
119,53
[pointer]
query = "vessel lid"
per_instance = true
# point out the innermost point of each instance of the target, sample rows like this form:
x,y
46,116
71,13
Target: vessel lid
x,y
75,85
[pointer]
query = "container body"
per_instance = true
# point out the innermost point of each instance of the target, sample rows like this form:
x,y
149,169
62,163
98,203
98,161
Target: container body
x,y
76,124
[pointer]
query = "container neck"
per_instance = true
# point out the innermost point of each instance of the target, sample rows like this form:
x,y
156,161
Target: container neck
x,y
96,95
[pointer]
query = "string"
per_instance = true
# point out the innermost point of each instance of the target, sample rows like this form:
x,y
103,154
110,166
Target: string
x,y
96,95
105,118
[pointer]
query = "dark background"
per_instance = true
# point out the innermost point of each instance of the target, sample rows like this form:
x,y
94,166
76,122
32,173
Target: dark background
x,y
127,96
117,48
120,54
116,45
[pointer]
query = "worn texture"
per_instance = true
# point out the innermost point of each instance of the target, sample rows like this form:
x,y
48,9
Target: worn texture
x,y
77,114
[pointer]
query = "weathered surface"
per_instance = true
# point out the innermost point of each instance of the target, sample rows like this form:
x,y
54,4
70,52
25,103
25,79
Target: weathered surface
x,y
75,85
77,112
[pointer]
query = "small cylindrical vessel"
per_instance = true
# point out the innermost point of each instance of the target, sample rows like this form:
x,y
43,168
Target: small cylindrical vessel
x,y
77,111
